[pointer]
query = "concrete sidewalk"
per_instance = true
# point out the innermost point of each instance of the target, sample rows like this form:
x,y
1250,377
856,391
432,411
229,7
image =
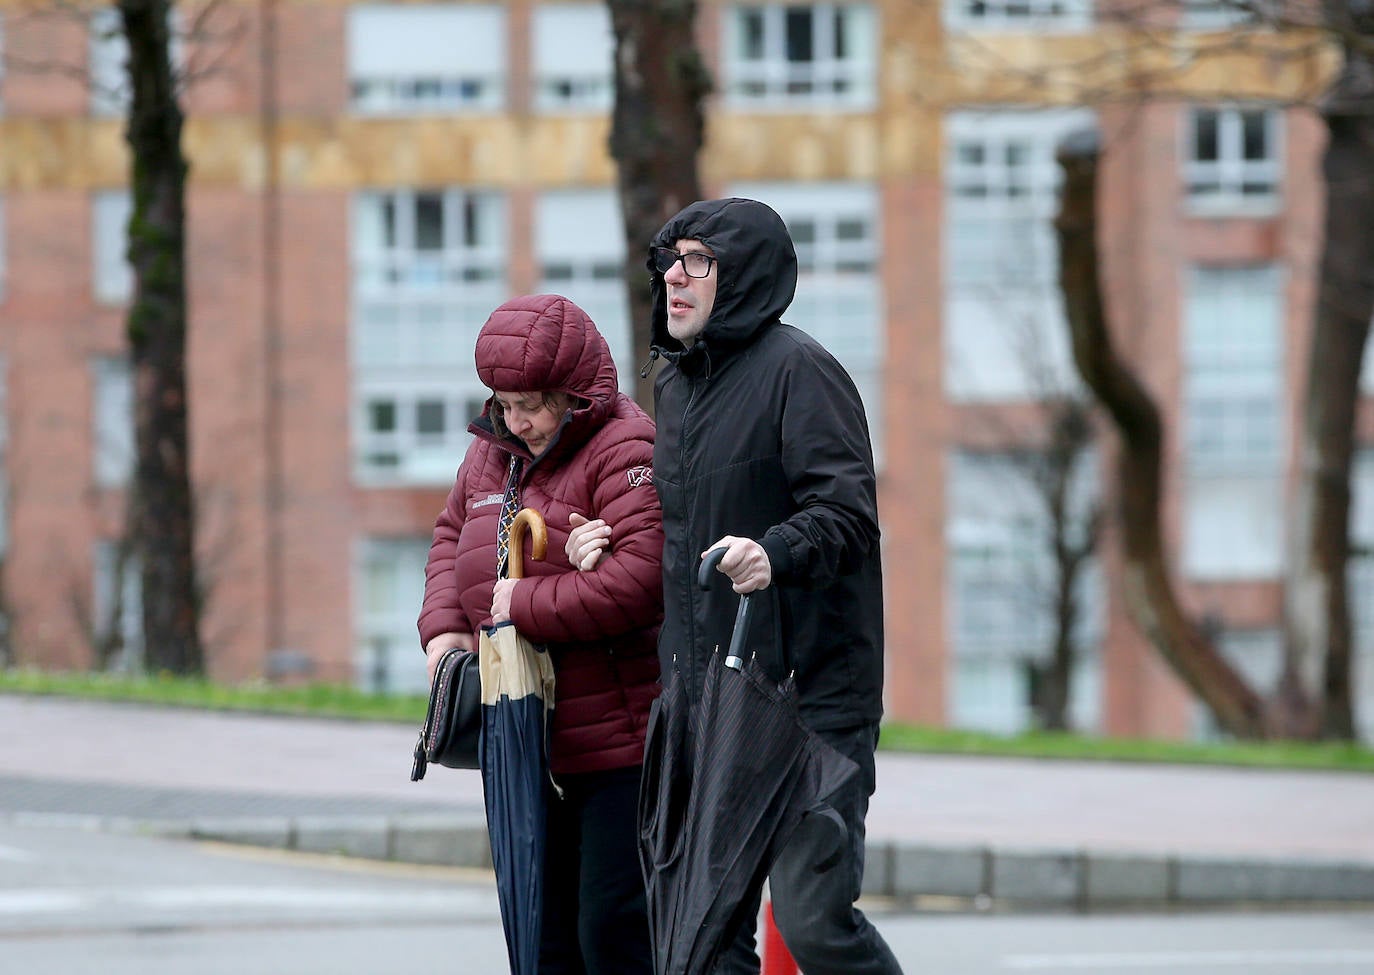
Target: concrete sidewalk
x,y
1050,833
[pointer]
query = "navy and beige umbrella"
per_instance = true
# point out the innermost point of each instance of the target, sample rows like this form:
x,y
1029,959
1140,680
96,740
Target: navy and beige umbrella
x,y
517,698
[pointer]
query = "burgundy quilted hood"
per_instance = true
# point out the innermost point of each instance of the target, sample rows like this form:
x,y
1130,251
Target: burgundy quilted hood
x,y
547,344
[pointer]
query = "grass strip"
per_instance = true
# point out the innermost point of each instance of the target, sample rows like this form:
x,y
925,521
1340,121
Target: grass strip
x,y
340,701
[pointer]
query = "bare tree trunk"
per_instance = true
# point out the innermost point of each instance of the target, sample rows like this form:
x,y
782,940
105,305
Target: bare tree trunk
x,y
656,132
1070,435
162,523
1149,590
1317,679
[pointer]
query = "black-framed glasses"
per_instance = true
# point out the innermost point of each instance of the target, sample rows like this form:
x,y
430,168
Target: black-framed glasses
x,y
697,265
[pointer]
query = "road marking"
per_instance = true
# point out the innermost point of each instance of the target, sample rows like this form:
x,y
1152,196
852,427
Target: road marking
x,y
62,900
1170,960
39,901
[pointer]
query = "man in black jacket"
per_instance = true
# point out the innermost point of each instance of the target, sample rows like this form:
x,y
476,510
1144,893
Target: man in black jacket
x,y
763,447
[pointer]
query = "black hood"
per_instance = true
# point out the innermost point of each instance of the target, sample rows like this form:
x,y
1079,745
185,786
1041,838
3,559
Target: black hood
x,y
756,272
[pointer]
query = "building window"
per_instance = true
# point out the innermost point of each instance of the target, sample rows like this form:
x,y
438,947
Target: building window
x,y
118,606
112,276
406,60
1018,14
107,54
573,51
112,422
1233,421
580,243
1366,365
4,235
1360,583
107,51
1002,577
1231,161
836,231
392,587
4,483
801,55
1255,654
429,267
1005,335
1218,14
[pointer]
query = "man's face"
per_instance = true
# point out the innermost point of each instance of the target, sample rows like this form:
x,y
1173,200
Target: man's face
x,y
689,298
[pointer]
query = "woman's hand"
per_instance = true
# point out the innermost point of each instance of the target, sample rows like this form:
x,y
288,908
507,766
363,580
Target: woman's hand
x,y
587,542
443,643
500,599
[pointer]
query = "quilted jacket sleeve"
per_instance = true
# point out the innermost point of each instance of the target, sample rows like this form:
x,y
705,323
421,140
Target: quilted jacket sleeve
x,y
441,611
625,591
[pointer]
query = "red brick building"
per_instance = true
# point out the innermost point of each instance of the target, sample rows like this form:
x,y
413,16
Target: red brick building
x,y
369,180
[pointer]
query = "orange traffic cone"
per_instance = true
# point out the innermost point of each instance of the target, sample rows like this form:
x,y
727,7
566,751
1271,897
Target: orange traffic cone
x,y
777,960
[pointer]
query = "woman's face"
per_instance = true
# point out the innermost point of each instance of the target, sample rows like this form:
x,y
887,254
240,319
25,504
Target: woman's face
x,y
531,419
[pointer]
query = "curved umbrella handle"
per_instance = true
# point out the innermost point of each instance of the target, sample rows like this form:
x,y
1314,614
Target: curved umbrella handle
x,y
709,562
526,518
734,657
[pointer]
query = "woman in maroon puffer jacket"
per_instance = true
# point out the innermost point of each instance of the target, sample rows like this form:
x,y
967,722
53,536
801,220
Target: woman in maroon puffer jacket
x,y
578,447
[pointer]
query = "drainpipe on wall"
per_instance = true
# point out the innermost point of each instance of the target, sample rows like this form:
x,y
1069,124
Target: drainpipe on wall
x,y
271,330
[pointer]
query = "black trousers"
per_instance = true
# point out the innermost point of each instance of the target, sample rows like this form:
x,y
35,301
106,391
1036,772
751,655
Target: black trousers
x,y
595,915
814,908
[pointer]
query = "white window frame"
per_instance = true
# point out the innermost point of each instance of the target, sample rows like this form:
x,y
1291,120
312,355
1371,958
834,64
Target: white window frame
x,y
1360,583
1239,186
1366,366
1207,15
107,50
1233,372
837,231
579,244
574,48
839,82
999,579
1041,16
390,587
112,277
1233,408
417,309
4,253
426,58
1006,339
130,620
113,445
4,458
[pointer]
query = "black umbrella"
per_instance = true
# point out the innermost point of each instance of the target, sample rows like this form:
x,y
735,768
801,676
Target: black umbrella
x,y
517,695
725,783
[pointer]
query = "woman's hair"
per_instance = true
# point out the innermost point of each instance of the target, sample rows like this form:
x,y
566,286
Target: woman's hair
x,y
557,402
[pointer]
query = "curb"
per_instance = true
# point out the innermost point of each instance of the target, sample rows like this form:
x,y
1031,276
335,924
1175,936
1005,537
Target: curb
x,y
983,876
1085,880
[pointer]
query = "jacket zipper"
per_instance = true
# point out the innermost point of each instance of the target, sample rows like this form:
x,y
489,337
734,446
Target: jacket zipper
x,y
693,658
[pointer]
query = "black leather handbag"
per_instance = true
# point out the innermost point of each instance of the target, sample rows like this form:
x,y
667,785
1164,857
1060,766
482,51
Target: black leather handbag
x,y
453,722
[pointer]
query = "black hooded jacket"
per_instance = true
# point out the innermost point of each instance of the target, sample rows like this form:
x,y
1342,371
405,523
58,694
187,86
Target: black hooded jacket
x,y
762,434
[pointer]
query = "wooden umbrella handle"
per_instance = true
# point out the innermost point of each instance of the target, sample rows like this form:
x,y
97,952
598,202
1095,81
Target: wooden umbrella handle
x,y
526,518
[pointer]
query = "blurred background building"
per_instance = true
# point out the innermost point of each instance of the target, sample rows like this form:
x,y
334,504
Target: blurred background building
x,y
369,180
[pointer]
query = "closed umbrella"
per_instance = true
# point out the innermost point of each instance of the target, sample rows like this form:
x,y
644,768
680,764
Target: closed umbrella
x,y
517,696
732,776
